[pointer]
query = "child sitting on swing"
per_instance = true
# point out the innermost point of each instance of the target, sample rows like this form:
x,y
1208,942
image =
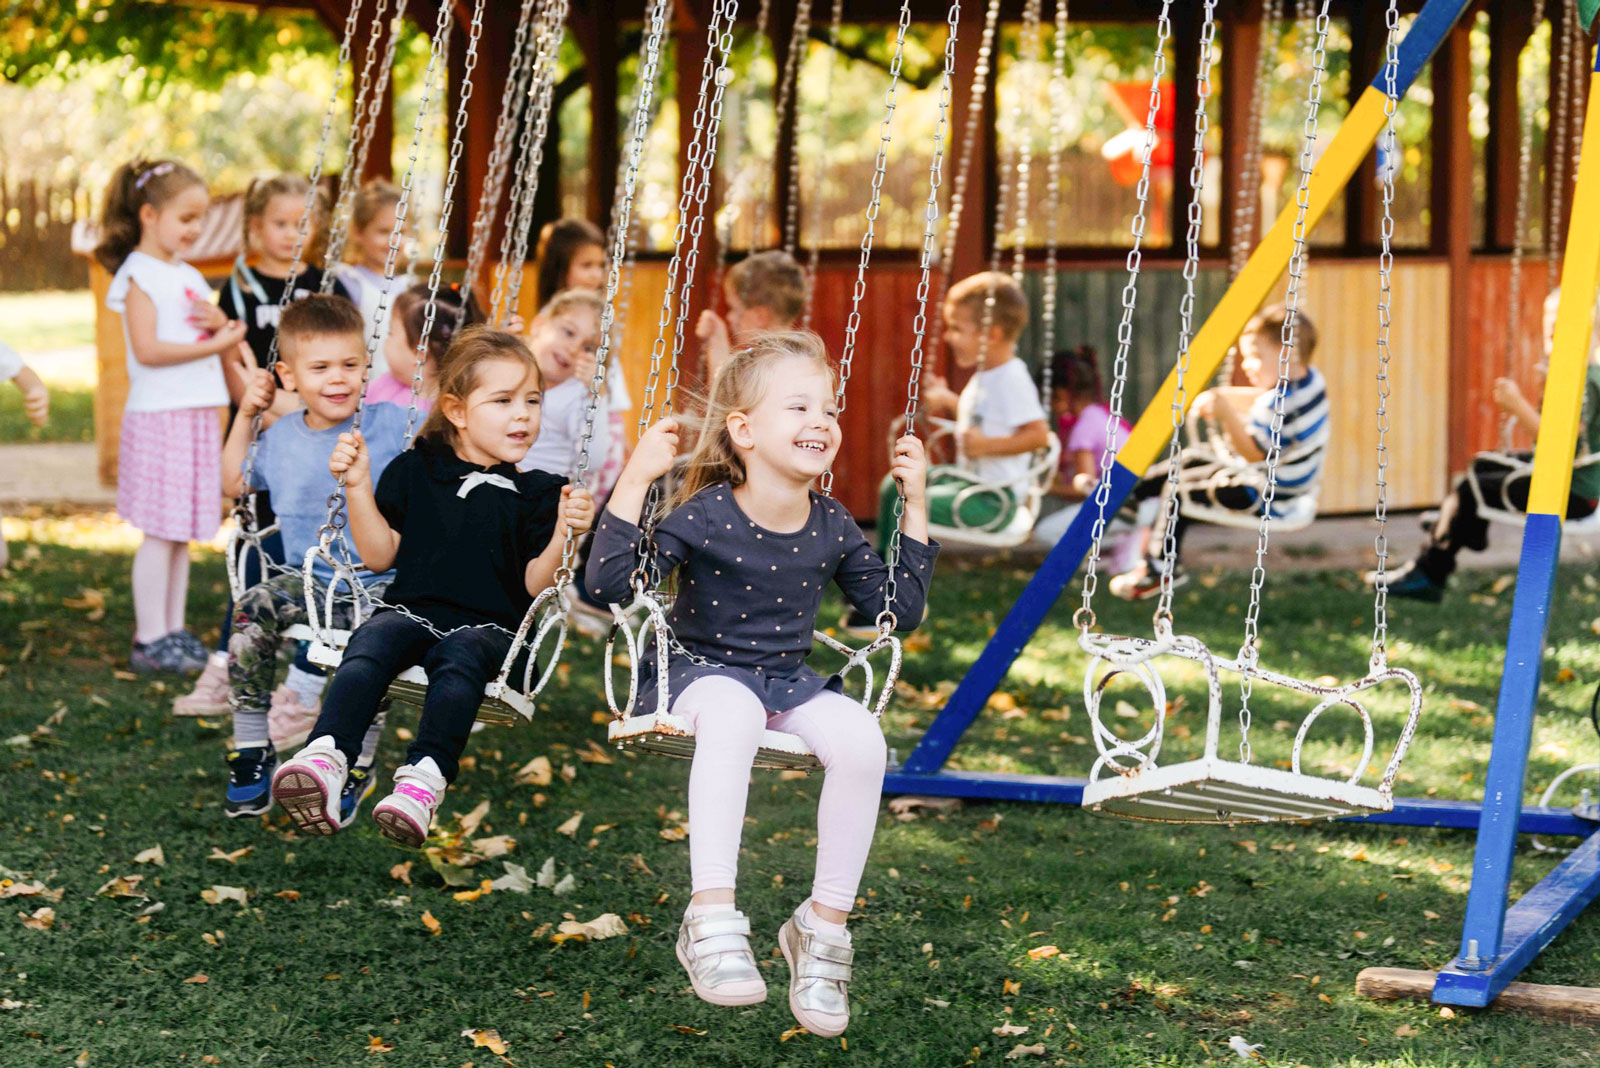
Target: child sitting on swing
x,y
1243,416
754,547
472,542
765,291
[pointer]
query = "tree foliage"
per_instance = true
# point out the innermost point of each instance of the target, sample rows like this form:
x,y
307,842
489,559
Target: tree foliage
x,y
198,44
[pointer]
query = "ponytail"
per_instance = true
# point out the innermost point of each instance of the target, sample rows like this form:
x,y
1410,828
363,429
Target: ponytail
x,y
135,184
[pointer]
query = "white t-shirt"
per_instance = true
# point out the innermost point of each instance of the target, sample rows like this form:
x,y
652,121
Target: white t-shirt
x,y
10,363
171,287
561,421
999,401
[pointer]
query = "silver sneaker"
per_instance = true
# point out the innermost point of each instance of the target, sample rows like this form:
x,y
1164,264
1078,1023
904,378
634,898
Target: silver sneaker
x,y
715,951
819,976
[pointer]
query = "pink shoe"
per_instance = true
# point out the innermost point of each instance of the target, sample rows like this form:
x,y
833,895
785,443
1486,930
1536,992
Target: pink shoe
x,y
288,721
308,787
405,815
209,696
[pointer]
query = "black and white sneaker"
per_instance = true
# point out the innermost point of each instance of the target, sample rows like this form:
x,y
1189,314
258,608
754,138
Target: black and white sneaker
x,y
250,782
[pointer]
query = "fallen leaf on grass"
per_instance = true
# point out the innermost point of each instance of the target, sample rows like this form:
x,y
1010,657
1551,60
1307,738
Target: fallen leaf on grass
x,y
1042,952
489,1040
430,923
937,1003
792,1032
547,873
566,885
42,919
910,807
605,925
676,833
122,886
402,872
684,1030
514,880
596,755
469,823
536,772
1011,986
497,846
288,895
230,858
1026,1051
570,828
484,887
216,895
34,889
1406,1031
7,1005
153,855
378,1045
199,980
1007,1029
90,600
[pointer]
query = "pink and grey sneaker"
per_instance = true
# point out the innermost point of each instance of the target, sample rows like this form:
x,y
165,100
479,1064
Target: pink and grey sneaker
x,y
288,721
405,815
209,696
308,787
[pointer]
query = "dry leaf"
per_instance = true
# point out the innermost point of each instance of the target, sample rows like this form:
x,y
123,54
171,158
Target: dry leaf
x,y
199,980
488,1039
570,828
122,886
606,925
568,773
1042,952
1012,986
596,755
793,1031
90,600
231,858
378,1045
536,772
402,872
1406,1031
676,833
216,895
497,846
515,879
153,855
472,895
1007,1029
566,885
469,822
547,873
34,889
288,895
42,919
1429,914
1026,1051
684,1030
430,923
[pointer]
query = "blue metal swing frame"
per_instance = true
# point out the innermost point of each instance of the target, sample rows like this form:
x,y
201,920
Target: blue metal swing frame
x,y
1498,939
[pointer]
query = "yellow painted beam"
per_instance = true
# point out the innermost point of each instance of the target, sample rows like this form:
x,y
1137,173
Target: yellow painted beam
x,y
1561,411
1344,154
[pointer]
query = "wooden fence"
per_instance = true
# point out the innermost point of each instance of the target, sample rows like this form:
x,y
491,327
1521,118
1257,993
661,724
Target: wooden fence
x,y
36,236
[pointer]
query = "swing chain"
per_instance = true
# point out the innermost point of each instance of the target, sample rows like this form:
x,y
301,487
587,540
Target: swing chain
x,y
631,231
919,324
1027,60
1291,304
1056,98
880,166
1525,120
758,210
819,175
1559,132
446,210
1191,266
245,512
1247,194
787,112
553,31
1380,541
1084,618
538,37
512,98
364,115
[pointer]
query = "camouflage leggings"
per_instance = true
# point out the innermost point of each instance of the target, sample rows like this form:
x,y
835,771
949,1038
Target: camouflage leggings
x,y
265,611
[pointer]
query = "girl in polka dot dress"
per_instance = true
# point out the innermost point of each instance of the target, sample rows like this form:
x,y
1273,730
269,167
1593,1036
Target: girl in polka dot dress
x,y
754,546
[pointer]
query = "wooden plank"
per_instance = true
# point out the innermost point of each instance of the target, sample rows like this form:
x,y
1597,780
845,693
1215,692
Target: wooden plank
x,y
1241,52
1452,199
1562,1004
1492,354
1509,28
111,387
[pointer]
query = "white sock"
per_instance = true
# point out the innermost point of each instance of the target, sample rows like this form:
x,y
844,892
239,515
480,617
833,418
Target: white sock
x,y
709,909
426,765
833,930
306,686
250,729
369,743
218,659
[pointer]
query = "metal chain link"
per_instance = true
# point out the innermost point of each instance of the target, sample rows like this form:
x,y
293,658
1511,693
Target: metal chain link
x,y
1249,652
649,105
364,116
333,527
1525,120
1027,61
1056,100
245,513
1559,133
820,173
761,186
919,323
1191,268
1083,618
512,99
738,190
436,129
1247,194
1380,541
852,324
447,208
789,105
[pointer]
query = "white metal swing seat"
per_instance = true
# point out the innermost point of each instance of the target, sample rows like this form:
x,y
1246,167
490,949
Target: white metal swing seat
x,y
504,701
1519,468
1127,781
644,630
1018,527
1196,484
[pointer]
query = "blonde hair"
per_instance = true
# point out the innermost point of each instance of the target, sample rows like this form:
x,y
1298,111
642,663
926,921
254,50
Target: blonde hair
x,y
459,369
771,280
738,387
1010,303
371,199
570,299
260,194
1269,321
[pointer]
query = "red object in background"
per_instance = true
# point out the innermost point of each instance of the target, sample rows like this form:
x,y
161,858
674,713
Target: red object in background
x,y
1124,153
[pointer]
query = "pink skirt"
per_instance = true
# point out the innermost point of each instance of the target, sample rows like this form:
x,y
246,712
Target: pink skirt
x,y
169,473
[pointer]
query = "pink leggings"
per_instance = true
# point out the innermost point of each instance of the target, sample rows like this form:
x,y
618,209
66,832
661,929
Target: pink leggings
x,y
728,720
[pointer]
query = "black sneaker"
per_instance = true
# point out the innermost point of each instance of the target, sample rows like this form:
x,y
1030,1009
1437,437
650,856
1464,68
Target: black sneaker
x,y
1413,583
358,786
192,645
250,782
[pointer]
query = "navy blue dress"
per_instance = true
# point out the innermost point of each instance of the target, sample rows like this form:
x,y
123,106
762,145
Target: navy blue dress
x,y
748,597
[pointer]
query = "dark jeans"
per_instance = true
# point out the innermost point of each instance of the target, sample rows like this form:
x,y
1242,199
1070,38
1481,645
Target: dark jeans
x,y
1460,526
1233,498
459,665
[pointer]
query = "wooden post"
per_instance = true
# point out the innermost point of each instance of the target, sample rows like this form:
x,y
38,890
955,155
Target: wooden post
x,y
690,41
380,157
1368,38
1241,59
1509,30
780,31
1578,66
1185,94
1452,204
597,40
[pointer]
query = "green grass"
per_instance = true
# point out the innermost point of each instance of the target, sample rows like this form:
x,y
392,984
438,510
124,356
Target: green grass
x,y
1169,940
50,319
71,417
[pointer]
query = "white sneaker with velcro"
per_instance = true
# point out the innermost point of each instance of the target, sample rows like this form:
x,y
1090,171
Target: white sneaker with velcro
x,y
715,950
